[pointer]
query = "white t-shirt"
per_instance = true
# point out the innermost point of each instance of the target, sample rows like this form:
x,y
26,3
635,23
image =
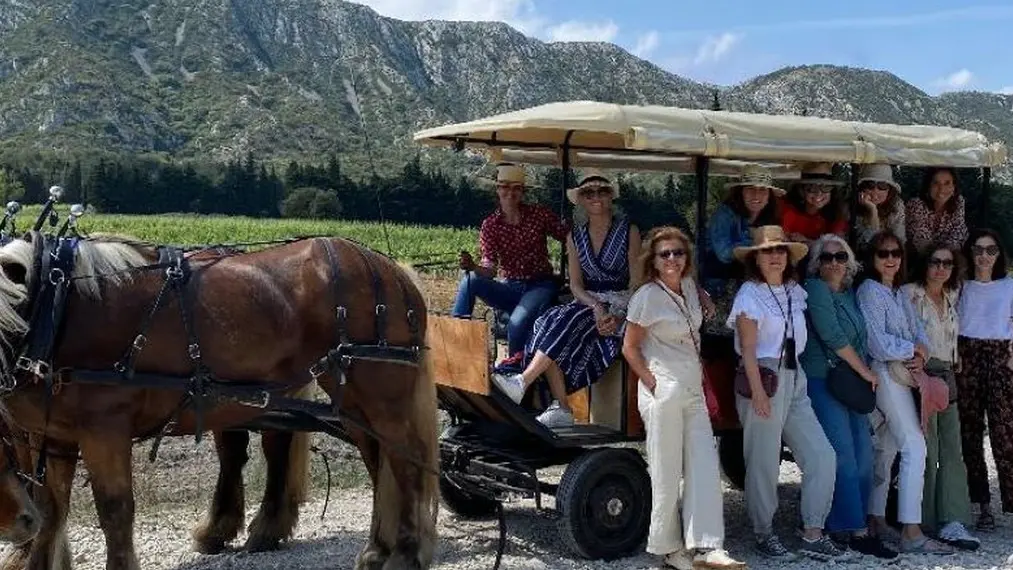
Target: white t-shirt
x,y
668,346
985,309
755,301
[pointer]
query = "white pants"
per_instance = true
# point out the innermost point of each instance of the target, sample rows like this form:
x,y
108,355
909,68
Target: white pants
x,y
681,449
897,430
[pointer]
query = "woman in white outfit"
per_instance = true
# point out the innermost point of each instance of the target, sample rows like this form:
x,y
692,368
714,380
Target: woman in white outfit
x,y
896,335
770,333
661,345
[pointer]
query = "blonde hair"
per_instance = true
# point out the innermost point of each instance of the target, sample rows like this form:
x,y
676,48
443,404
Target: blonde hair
x,y
665,233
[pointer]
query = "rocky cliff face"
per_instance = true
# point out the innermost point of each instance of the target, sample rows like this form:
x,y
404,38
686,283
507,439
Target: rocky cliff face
x,y
218,78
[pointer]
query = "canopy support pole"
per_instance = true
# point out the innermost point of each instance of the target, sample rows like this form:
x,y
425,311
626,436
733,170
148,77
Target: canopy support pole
x,y
565,167
986,182
702,170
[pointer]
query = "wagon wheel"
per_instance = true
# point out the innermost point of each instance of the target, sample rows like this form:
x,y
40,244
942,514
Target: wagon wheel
x,y
604,501
733,462
463,503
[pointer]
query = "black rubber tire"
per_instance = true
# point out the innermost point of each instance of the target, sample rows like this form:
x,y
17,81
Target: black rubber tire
x,y
463,503
604,504
733,463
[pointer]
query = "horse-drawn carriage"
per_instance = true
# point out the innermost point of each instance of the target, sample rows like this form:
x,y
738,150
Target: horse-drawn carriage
x,y
109,340
494,447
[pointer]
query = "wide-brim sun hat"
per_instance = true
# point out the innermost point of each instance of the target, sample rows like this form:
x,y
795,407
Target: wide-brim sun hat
x,y
818,173
769,237
756,175
591,178
879,172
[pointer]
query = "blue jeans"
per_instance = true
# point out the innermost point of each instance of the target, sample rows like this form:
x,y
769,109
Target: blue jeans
x,y
849,433
525,300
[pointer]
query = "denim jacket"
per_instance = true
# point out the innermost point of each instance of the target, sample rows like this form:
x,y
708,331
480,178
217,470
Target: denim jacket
x,y
725,231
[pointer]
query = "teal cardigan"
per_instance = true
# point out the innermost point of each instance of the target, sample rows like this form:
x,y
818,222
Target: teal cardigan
x,y
835,318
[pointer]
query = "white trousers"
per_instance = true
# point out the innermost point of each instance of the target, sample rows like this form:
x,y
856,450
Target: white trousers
x,y
897,429
681,449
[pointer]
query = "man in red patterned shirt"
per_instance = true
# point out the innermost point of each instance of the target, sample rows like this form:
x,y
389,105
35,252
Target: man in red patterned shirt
x,y
513,242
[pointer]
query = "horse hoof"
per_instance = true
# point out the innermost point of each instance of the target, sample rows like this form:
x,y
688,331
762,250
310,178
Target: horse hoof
x,y
371,559
209,545
261,544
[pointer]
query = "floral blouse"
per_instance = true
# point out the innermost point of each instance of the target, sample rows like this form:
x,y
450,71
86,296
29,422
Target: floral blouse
x,y
925,226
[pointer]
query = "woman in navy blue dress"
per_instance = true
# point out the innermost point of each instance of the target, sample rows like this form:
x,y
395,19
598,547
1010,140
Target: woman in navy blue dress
x,y
573,344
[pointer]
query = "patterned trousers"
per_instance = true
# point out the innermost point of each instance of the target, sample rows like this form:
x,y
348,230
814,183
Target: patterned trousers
x,y
985,388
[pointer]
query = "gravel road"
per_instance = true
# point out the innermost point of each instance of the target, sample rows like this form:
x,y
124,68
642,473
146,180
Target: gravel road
x,y
172,494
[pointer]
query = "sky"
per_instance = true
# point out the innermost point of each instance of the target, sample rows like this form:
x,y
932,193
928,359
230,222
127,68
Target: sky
x,y
935,45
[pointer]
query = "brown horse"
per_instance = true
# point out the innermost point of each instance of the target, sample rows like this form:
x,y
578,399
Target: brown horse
x,y
20,520
268,316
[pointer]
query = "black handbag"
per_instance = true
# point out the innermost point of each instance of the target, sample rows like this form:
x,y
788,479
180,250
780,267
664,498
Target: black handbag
x,y
845,384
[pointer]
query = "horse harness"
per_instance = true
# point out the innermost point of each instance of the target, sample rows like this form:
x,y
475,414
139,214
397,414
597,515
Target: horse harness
x,y
44,312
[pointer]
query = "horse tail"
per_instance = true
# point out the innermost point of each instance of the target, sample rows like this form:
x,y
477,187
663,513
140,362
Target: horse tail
x,y
297,479
427,424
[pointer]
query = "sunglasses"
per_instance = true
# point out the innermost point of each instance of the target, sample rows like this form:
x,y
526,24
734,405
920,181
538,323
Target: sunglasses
x,y
941,263
670,253
887,253
881,186
592,192
989,249
818,190
777,249
840,257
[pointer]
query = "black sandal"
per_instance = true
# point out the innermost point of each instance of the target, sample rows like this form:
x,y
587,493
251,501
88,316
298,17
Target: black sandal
x,y
986,522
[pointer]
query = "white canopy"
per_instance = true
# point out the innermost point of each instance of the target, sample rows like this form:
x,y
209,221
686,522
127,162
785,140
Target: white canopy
x,y
632,161
590,125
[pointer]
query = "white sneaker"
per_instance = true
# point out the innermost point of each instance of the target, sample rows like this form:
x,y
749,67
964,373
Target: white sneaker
x,y
555,416
680,560
510,384
717,559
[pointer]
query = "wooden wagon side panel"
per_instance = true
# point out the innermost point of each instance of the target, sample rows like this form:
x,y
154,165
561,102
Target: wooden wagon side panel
x,y
459,349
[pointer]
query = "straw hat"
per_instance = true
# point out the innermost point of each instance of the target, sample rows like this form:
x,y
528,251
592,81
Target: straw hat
x,y
592,178
509,173
877,173
756,175
767,237
820,173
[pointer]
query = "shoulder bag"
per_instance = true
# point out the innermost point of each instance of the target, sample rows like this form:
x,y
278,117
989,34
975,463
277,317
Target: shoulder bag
x,y
768,378
710,398
844,383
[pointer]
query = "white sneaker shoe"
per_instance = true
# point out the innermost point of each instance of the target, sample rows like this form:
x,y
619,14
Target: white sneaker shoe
x,y
680,560
555,416
717,559
510,384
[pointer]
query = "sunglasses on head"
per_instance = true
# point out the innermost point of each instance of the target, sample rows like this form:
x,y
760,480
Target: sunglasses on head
x,y
592,192
840,257
670,253
982,250
886,253
941,263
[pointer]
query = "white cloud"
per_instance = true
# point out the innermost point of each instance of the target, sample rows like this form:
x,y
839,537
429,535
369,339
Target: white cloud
x,y
1008,90
970,13
956,80
576,31
714,48
646,44
520,14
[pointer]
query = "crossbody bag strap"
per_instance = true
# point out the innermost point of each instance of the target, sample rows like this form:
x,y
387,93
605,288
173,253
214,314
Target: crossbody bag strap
x,y
688,317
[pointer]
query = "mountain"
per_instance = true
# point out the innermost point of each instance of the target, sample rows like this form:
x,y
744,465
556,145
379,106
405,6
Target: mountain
x,y
292,78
